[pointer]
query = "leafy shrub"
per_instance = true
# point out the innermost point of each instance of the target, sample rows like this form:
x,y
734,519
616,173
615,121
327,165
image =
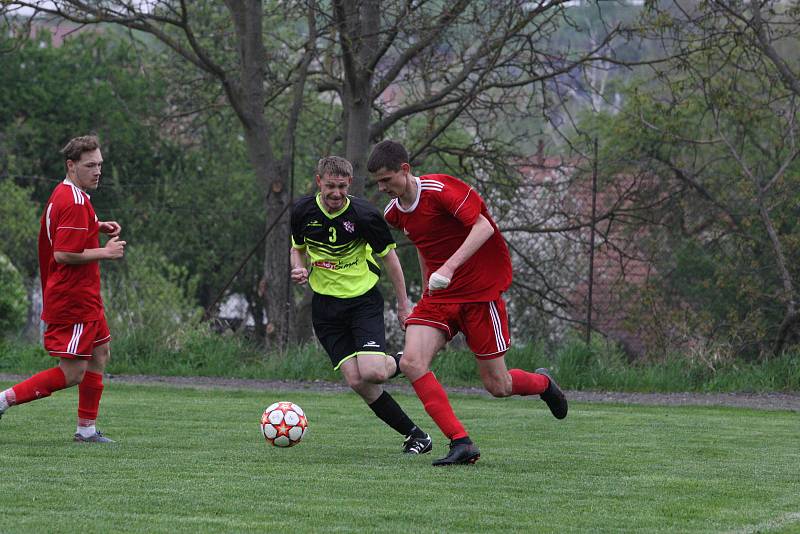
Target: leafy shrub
x,y
148,303
13,298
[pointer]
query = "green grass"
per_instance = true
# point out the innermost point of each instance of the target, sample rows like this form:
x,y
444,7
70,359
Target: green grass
x,y
192,460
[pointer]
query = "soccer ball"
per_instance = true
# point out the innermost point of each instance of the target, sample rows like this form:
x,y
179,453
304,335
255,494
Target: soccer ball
x,y
284,424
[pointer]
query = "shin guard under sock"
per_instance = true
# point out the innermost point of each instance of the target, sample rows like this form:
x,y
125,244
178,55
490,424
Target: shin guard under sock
x,y
387,409
40,385
89,392
434,399
525,383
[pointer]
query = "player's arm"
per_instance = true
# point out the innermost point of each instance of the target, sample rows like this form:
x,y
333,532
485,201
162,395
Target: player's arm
x,y
113,250
395,270
481,231
422,270
299,264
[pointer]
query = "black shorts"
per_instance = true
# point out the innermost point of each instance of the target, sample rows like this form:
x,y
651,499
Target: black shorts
x,y
349,327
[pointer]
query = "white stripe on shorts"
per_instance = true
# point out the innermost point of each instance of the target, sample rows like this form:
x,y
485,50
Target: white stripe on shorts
x,y
498,328
77,332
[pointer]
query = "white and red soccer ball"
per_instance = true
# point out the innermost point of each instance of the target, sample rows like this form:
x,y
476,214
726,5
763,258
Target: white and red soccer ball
x,y
284,424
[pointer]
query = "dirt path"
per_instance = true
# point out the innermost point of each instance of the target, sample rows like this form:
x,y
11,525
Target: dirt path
x,y
761,401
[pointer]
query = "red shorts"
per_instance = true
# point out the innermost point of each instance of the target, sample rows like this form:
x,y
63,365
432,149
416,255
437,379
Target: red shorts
x,y
75,341
485,324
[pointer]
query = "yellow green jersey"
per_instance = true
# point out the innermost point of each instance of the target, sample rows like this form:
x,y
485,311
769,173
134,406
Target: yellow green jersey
x,y
340,245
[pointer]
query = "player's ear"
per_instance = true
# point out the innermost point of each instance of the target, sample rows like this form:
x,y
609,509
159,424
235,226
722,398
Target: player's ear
x,y
318,179
405,167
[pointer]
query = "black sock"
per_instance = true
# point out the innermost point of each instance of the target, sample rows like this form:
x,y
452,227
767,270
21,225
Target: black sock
x,y
464,440
396,358
417,432
387,409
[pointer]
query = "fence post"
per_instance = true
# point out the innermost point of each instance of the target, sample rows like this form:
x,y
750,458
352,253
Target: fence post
x,y
591,247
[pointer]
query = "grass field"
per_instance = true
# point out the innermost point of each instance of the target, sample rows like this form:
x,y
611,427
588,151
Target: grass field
x,y
193,460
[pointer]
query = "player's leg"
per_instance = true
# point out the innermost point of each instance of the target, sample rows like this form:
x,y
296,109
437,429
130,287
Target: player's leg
x,y
369,335
42,384
90,390
64,341
375,367
333,325
385,407
422,344
485,325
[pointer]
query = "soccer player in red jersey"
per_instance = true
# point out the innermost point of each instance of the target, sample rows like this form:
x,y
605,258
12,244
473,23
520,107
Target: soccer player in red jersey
x,y
466,266
69,251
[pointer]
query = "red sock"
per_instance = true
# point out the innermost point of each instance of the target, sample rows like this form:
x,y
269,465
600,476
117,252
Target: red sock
x,y
525,383
89,391
434,399
40,385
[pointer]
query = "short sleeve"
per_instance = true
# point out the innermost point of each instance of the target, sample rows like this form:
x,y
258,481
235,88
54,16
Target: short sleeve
x,y
298,239
71,228
376,232
461,201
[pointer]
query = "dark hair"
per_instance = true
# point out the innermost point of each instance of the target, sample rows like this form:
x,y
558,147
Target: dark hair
x,y
334,166
387,155
77,146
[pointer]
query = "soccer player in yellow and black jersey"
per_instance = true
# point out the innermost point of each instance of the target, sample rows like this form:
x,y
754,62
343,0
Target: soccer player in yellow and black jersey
x,y
334,237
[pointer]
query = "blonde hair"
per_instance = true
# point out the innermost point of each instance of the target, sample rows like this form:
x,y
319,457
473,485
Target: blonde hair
x,y
334,166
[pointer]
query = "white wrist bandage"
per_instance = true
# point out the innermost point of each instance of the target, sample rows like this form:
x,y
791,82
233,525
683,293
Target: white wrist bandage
x,y
437,281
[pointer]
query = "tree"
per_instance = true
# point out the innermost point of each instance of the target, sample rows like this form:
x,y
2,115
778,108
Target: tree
x,y
451,65
718,127
227,44
458,65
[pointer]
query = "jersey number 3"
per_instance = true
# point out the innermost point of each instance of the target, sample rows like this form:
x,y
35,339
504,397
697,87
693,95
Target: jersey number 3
x,y
332,237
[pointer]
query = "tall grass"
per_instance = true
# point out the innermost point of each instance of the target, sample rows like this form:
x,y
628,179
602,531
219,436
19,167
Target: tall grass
x,y
598,366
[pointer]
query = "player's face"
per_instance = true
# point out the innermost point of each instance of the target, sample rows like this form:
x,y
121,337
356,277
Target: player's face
x,y
334,191
393,183
85,173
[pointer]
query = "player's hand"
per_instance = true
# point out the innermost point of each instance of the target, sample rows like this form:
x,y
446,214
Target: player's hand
x,y
300,275
112,228
402,314
438,281
115,248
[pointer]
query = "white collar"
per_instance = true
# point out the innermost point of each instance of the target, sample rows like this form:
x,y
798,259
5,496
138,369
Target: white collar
x,y
71,183
416,200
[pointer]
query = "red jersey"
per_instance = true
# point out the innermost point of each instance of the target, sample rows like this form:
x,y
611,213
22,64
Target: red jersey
x,y
437,223
71,293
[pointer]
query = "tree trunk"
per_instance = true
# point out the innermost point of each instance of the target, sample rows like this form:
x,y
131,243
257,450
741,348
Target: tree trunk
x,y
357,140
359,41
248,102
303,327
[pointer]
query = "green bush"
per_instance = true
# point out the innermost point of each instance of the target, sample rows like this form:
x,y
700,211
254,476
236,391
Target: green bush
x,y
600,366
20,216
148,303
23,358
13,298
